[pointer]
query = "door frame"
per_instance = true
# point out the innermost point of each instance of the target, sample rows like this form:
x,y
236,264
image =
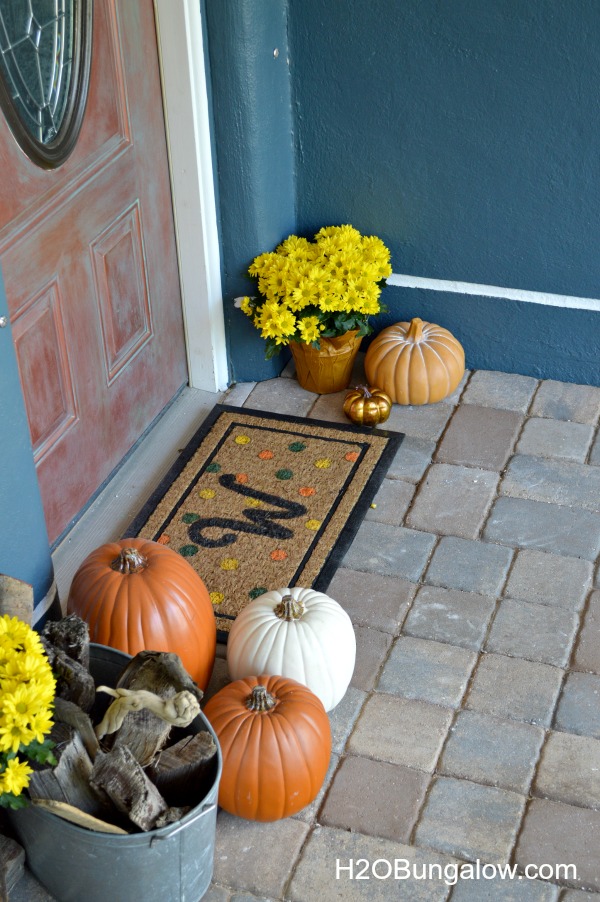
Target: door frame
x,y
187,122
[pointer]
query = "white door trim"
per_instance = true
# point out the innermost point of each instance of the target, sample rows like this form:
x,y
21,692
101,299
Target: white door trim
x,y
187,121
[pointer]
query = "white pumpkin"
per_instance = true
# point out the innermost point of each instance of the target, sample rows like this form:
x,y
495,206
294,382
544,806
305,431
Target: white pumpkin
x,y
296,633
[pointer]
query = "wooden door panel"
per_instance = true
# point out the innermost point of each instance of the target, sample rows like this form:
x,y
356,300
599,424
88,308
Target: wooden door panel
x,y
122,291
89,262
39,337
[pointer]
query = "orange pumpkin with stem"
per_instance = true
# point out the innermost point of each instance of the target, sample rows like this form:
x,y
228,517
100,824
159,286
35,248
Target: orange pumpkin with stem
x,y
136,594
276,743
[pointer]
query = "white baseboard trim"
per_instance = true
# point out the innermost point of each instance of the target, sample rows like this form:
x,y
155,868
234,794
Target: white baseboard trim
x,y
494,291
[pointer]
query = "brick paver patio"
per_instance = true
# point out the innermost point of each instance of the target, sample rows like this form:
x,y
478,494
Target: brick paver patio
x,y
471,730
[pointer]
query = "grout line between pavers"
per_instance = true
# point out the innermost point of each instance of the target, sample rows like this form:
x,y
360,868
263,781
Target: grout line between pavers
x,y
529,411
596,574
595,438
568,669
310,832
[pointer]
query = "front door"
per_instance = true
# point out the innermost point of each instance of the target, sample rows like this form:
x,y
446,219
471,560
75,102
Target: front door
x,y
87,252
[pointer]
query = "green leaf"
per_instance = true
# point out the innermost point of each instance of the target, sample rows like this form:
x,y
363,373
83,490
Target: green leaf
x,y
272,348
41,752
9,800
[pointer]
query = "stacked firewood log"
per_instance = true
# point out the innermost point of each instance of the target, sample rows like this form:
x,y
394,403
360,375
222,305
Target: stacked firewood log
x,y
127,757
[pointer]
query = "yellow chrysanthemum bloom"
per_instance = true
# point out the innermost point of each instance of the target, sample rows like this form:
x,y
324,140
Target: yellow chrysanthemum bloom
x,y
287,321
21,704
27,689
340,272
369,290
369,307
304,294
16,777
13,733
298,248
259,263
337,234
309,329
267,320
15,635
246,306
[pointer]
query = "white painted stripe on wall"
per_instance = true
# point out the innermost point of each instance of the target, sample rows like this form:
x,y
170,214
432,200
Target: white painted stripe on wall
x,y
495,291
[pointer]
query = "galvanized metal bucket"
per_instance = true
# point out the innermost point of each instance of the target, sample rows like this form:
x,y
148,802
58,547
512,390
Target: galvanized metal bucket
x,y
173,864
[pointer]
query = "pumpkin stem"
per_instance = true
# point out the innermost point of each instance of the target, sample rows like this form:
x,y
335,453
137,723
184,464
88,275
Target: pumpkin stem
x,y
365,390
129,561
260,700
415,330
288,609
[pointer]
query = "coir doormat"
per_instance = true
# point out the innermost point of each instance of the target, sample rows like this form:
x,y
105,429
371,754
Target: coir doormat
x,y
261,501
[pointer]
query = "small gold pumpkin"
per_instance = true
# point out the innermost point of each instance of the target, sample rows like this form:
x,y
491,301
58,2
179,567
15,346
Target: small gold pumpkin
x,y
367,405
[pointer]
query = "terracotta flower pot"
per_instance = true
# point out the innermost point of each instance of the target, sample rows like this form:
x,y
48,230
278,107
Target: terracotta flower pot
x,y
328,369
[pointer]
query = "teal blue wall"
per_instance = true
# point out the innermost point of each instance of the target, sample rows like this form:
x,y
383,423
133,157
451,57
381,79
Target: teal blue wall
x,y
24,549
254,154
466,135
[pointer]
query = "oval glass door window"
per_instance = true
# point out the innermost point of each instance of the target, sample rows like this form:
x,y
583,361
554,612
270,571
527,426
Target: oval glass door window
x,y
45,53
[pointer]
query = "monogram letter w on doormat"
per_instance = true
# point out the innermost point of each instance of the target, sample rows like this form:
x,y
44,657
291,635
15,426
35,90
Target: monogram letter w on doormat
x,y
258,501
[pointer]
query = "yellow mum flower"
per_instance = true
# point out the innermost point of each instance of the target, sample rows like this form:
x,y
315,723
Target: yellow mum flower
x,y
13,733
330,303
276,322
27,689
261,263
340,272
309,329
21,704
246,306
368,289
298,248
277,278
41,724
16,776
267,321
304,294
369,307
15,634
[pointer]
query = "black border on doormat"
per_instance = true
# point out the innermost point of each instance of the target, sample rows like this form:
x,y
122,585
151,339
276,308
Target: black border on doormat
x,y
355,518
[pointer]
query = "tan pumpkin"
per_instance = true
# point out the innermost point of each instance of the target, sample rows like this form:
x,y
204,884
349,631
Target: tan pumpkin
x,y
416,362
136,594
366,405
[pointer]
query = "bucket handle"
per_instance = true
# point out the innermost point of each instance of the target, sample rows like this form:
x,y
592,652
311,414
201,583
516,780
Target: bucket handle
x,y
204,810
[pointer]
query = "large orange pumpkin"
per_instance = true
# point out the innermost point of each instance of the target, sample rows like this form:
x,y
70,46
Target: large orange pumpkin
x,y
276,743
136,594
415,363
